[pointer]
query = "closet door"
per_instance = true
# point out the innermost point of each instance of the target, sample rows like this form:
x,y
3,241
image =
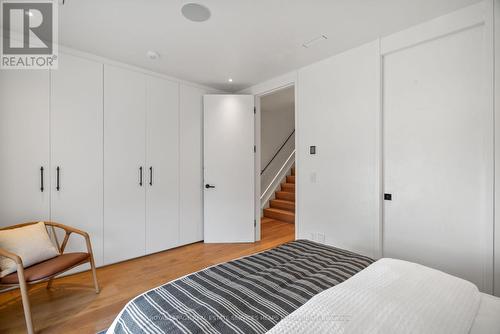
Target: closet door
x,y
162,156
191,162
438,156
76,149
124,164
24,146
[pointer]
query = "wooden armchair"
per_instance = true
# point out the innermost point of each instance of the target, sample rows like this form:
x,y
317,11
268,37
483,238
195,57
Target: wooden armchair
x,y
46,270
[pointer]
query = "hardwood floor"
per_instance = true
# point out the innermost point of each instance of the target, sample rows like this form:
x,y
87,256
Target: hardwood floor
x,y
72,306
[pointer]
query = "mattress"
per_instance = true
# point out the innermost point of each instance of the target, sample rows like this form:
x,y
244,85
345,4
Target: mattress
x,y
247,295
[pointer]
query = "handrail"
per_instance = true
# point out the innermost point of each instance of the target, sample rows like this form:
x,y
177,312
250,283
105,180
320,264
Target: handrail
x,y
277,152
292,155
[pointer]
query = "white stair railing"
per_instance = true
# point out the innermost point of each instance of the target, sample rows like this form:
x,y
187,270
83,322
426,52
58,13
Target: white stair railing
x,y
277,180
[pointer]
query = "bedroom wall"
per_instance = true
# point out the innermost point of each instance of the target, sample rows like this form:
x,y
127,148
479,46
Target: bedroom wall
x,y
339,109
338,102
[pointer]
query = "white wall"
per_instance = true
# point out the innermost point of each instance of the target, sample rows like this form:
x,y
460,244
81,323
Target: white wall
x,y
438,155
277,121
338,111
339,191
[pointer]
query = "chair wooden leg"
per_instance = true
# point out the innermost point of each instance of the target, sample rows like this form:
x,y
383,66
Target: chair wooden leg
x,y
94,274
26,301
92,263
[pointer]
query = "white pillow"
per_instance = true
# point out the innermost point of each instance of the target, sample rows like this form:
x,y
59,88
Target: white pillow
x,y
32,243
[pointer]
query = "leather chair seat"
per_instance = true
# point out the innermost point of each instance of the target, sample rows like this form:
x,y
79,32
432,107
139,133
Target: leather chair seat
x,y
47,268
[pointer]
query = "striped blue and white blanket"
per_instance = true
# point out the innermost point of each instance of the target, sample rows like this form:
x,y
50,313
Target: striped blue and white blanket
x,y
247,295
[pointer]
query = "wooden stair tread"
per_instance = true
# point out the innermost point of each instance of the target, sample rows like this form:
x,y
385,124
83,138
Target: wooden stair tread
x,y
283,201
282,208
285,195
282,204
264,220
283,215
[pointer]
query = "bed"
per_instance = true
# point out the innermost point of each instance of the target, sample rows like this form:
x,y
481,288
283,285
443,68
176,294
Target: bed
x,y
307,287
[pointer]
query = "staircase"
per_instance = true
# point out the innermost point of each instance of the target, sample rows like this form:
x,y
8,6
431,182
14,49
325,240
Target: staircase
x,y
282,208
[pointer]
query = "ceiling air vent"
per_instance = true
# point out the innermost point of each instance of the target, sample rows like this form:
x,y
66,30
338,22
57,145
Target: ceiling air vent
x,y
315,40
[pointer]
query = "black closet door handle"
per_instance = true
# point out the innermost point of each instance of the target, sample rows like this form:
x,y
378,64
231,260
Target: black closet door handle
x,y
41,179
57,178
151,175
140,176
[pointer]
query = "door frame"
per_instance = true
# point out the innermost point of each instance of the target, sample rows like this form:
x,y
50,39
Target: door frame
x,y
259,91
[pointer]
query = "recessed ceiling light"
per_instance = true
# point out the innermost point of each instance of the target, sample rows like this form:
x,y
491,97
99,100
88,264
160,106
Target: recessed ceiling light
x,y
195,12
153,55
230,80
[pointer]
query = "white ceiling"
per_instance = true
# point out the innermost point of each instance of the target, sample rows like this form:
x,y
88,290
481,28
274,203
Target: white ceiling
x,y
248,40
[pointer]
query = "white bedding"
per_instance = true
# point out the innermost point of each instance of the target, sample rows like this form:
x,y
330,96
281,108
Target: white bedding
x,y
487,320
390,296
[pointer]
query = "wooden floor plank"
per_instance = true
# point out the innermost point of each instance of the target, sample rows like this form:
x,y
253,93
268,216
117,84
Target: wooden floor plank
x,y
71,305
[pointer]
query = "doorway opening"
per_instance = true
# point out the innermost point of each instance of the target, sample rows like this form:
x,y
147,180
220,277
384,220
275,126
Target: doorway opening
x,y
277,163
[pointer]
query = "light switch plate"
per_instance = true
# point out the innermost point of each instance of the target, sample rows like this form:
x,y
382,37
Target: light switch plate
x,y
313,177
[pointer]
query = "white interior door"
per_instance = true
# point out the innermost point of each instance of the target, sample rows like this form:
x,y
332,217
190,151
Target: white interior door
x,y
76,150
162,156
24,146
438,157
229,198
124,164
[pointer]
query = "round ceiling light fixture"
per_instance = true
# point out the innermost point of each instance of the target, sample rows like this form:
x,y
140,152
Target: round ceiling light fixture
x,y
195,12
153,55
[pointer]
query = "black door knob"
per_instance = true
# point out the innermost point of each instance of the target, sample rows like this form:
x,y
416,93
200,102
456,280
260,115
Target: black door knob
x,y
208,186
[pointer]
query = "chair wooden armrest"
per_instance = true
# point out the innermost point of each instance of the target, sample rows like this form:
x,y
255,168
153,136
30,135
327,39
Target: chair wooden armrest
x,y
23,286
14,257
68,229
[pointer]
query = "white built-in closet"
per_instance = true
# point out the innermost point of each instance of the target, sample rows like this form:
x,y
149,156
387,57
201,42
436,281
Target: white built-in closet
x,y
104,148
141,164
